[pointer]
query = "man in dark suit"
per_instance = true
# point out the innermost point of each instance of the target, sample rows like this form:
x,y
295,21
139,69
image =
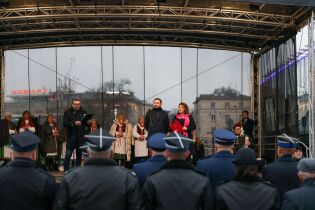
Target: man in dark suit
x,y
248,125
283,172
23,185
303,197
156,145
75,131
156,120
219,167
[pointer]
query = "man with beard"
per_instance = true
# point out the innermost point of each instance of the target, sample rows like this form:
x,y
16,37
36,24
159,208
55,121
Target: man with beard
x,y
75,132
156,120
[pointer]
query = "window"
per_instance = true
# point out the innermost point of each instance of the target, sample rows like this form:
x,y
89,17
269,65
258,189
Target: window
x,y
212,105
227,105
213,117
227,117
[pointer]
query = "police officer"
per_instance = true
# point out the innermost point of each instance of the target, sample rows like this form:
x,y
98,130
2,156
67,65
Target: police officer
x,y
100,183
219,167
23,185
303,197
247,190
283,172
177,185
156,145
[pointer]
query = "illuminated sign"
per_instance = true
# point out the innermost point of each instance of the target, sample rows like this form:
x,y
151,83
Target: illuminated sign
x,y
32,91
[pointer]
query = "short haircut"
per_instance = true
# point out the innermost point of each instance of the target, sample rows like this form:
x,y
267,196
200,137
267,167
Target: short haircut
x,y
245,111
158,99
75,99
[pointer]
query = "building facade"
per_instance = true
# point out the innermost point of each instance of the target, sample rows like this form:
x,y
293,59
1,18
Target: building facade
x,y
218,110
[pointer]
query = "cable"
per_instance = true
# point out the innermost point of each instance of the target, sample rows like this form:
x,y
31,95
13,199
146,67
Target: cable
x,y
192,77
52,70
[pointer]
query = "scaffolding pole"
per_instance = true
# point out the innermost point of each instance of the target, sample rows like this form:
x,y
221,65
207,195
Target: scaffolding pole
x,y
311,84
255,101
2,66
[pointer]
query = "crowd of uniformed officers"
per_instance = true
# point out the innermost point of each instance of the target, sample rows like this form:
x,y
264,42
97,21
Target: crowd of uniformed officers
x,y
166,181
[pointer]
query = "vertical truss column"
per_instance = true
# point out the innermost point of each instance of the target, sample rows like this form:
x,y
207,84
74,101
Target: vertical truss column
x,y
255,100
2,82
311,84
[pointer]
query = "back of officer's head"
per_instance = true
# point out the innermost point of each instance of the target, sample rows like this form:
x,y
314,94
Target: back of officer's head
x,y
100,154
224,140
285,145
156,144
246,163
99,144
24,145
306,168
177,146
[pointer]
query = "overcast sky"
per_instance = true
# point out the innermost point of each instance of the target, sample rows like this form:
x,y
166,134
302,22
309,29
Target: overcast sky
x,y
162,70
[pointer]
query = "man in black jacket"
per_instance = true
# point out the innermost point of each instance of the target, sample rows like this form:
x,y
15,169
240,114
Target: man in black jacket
x,y
4,132
100,183
177,185
248,126
23,185
156,120
283,172
75,131
303,197
247,190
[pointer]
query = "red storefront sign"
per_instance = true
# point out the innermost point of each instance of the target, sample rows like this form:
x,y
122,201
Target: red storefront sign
x,y
32,91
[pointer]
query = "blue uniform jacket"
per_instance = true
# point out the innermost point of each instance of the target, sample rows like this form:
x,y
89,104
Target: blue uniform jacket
x,y
144,169
219,167
282,174
301,198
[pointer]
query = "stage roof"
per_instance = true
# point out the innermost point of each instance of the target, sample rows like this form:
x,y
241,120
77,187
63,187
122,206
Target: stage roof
x,y
239,25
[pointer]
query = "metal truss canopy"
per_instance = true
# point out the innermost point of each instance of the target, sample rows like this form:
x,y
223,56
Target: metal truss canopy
x,y
185,25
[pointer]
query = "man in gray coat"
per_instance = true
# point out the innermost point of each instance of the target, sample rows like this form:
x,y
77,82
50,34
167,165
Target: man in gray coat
x,y
100,183
177,185
303,197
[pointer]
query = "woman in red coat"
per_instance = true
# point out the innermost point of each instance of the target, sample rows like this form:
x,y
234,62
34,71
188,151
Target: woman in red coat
x,y
183,122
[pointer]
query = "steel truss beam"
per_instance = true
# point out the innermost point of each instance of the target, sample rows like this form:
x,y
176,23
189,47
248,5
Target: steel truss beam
x,y
231,26
130,39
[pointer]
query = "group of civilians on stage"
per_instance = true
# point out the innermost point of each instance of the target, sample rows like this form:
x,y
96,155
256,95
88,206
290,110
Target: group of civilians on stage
x,y
167,180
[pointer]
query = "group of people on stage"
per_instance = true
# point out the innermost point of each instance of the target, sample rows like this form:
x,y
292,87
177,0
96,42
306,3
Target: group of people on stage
x,y
132,140
48,132
164,178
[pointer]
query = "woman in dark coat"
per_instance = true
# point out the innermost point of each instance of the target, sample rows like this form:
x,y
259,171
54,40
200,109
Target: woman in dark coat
x,y
50,135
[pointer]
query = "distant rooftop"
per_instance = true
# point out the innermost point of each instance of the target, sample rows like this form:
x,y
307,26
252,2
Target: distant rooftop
x,y
222,96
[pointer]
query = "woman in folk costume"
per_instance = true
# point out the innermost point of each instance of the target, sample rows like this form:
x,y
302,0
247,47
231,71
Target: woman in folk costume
x,y
123,131
94,126
140,135
183,122
26,123
50,136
